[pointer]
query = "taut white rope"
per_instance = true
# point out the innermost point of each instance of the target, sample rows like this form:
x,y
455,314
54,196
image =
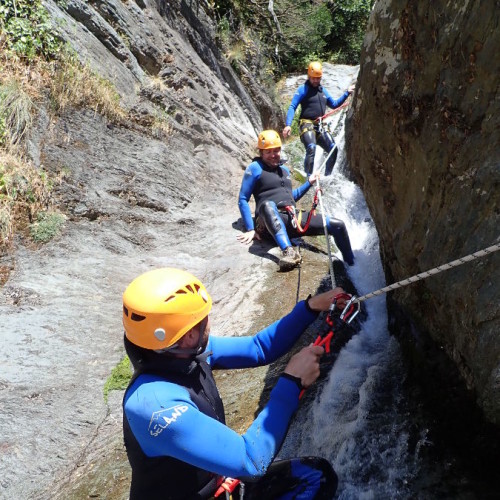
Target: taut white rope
x,y
431,272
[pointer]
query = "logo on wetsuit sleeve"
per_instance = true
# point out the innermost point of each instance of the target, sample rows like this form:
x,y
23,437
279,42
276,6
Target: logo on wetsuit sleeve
x,y
160,420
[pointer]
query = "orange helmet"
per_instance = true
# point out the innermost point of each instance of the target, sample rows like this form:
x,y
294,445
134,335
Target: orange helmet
x,y
315,70
269,139
160,306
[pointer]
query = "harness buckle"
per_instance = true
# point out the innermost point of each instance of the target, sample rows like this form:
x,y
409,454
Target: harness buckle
x,y
228,486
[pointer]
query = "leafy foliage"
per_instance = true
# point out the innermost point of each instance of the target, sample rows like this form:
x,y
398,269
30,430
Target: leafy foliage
x,y
26,27
300,31
349,18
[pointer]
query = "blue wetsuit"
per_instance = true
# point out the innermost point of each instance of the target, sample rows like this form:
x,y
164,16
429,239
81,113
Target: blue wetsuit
x,y
313,102
272,190
166,423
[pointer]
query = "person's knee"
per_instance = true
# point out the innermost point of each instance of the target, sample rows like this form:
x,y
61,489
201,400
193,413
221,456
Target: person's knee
x,y
337,227
311,149
338,230
269,213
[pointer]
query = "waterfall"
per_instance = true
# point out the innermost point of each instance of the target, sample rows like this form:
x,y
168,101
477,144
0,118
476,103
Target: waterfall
x,y
359,420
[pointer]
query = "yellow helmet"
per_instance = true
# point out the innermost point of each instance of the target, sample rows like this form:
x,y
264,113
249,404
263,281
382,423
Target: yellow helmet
x,y
160,306
315,70
269,139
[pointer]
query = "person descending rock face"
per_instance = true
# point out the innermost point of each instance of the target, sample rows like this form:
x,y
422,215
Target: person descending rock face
x,y
313,99
271,185
177,442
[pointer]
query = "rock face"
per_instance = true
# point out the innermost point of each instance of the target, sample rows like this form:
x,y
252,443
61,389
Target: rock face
x,y
162,59
424,143
134,201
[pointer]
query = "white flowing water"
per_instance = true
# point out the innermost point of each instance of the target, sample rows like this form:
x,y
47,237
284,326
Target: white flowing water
x,y
365,419
358,420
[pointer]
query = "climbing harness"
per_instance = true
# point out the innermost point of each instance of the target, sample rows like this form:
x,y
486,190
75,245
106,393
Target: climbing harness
x,y
426,274
296,221
228,487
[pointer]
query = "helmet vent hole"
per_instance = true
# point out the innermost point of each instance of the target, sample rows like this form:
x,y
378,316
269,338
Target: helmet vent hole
x,y
125,311
190,288
137,317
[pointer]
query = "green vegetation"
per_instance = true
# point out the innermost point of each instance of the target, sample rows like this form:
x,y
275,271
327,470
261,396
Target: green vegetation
x,y
119,378
15,112
24,192
36,67
27,29
47,225
76,85
300,31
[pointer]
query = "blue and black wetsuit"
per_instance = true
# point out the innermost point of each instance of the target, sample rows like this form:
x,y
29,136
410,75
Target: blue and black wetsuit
x,y
272,190
175,433
313,102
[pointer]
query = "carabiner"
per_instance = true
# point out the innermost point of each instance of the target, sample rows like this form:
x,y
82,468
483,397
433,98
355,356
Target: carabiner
x,y
351,310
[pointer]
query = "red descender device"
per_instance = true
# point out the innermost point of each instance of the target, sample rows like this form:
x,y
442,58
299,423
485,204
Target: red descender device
x,y
349,312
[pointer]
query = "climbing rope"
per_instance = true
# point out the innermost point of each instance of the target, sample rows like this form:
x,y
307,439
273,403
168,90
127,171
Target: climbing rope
x,y
346,103
353,306
298,280
431,272
327,236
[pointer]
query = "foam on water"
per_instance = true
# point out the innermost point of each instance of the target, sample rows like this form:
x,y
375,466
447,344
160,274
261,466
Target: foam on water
x,y
358,418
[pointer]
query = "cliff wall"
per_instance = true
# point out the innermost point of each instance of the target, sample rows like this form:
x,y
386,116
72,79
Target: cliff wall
x,y
424,143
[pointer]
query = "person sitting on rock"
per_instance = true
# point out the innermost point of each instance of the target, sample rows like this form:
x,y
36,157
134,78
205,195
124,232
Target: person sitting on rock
x,y
177,441
313,99
271,185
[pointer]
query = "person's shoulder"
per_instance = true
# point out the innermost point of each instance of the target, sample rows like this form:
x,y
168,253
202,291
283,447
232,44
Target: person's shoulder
x,y
149,389
254,168
301,89
286,170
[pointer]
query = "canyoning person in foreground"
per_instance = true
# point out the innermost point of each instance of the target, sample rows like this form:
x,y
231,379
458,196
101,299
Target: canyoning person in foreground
x,y
174,427
270,183
314,99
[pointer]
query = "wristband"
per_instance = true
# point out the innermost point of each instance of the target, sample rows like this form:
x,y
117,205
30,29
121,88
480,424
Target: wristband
x,y
308,307
293,379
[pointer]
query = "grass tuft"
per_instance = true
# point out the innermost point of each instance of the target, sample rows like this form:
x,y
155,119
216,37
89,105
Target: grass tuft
x,y
119,378
76,85
47,226
24,191
16,107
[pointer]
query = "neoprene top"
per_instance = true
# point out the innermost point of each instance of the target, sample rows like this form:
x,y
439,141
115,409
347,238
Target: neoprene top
x,y
313,102
166,422
250,186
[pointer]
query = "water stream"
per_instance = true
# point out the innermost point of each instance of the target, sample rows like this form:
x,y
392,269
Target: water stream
x,y
363,419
